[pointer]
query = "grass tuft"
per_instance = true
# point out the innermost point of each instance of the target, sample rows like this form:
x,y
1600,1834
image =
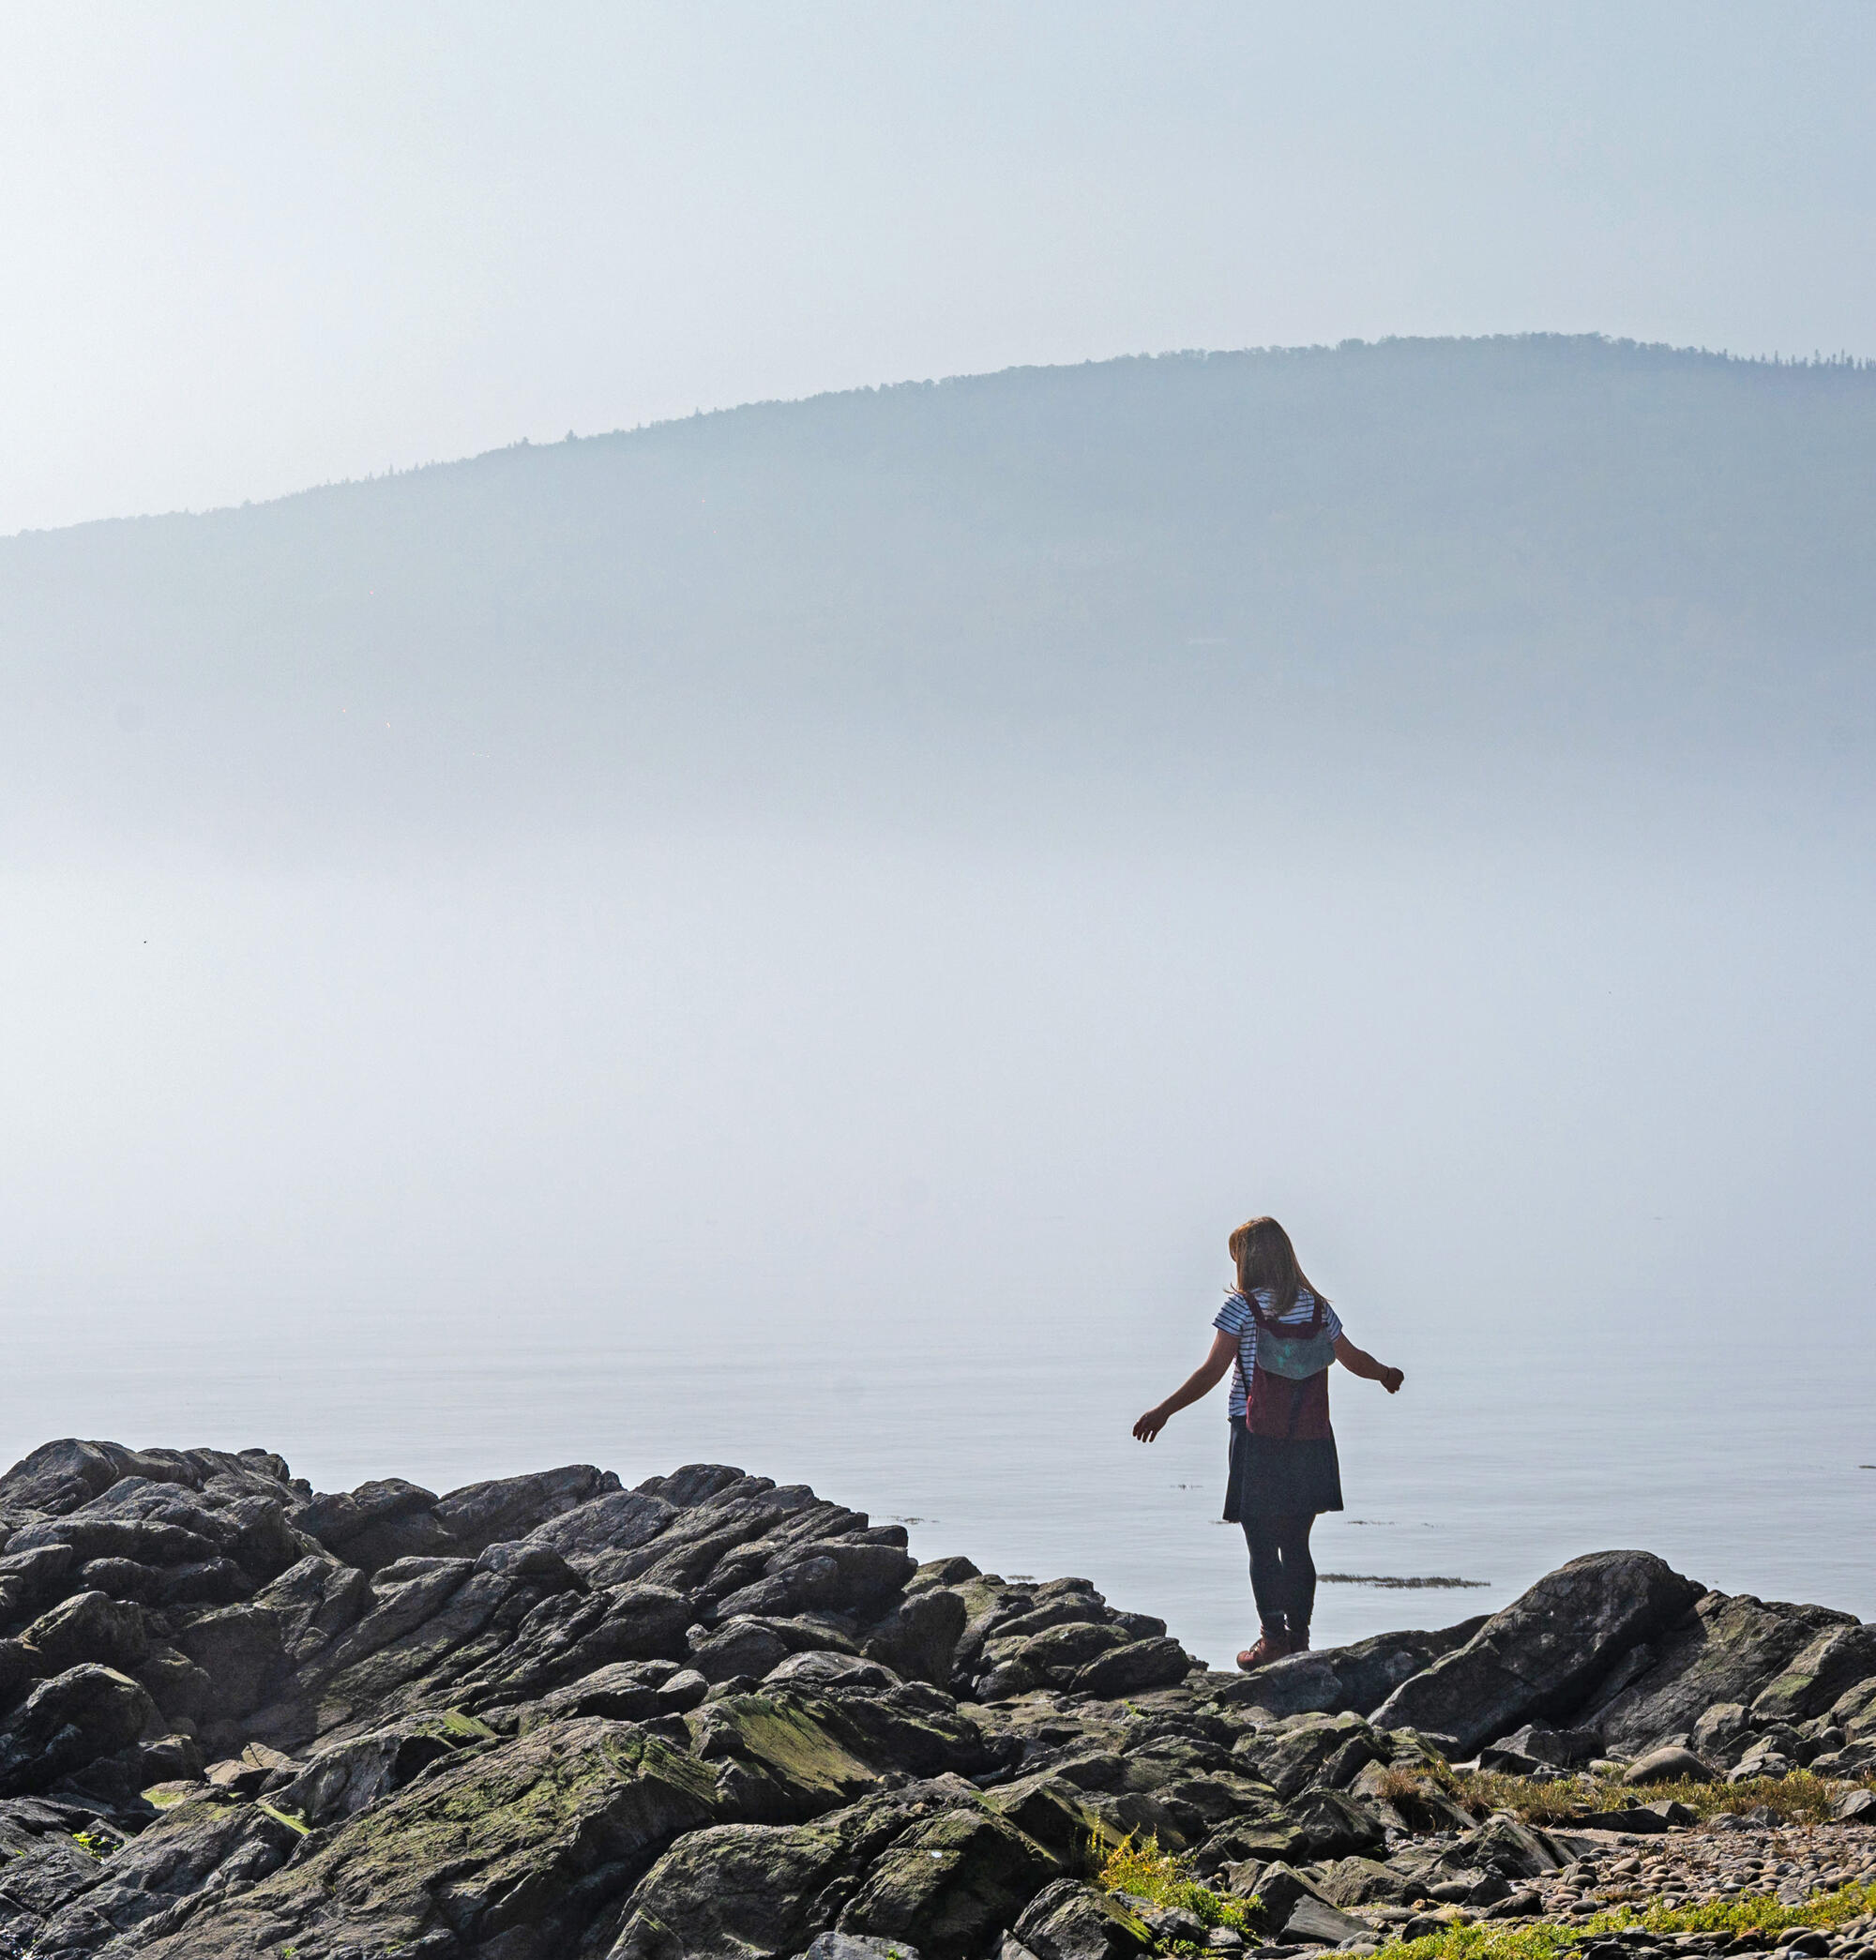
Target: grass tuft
x,y
1797,1799
1507,1940
1146,1872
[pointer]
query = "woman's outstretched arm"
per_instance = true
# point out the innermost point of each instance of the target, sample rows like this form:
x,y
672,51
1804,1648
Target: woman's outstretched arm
x,y
1201,1381
1359,1362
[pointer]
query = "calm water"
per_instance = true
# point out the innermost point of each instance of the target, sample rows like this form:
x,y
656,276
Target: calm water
x,y
1014,1449
904,1169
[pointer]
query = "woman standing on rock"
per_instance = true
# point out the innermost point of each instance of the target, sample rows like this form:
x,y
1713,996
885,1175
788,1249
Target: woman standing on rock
x,y
1276,1336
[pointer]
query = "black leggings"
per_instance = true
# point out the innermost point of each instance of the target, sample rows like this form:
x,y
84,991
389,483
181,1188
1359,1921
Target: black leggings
x,y
1282,1573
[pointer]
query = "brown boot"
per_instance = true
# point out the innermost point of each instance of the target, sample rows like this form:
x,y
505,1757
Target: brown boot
x,y
1272,1645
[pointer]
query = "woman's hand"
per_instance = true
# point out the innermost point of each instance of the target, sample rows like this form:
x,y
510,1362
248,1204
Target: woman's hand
x,y
1391,1379
1201,1381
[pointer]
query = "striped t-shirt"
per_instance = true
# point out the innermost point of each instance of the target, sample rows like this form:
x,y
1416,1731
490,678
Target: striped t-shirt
x,y
1235,1318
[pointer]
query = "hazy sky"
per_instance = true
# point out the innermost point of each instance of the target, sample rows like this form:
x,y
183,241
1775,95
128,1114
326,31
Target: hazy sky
x,y
249,248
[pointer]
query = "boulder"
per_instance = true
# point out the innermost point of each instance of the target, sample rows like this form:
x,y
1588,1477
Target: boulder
x,y
1555,1748
949,1883
69,1722
1366,1881
30,1580
1542,1654
1069,1921
1135,1668
858,1946
477,1516
1291,1754
240,1649
1333,1823
1337,1679
1280,1890
1313,1921
166,1871
1837,1659
1733,1647
346,1778
918,1638
1504,1846
88,1626
541,1833
761,1890
1670,1765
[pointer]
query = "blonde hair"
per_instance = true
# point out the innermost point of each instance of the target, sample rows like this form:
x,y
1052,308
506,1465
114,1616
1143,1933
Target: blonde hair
x,y
1266,1259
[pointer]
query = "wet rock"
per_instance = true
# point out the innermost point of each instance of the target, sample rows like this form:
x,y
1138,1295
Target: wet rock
x,y
1545,1651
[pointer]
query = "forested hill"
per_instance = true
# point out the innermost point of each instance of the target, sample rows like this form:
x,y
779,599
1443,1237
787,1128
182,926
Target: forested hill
x,y
1467,544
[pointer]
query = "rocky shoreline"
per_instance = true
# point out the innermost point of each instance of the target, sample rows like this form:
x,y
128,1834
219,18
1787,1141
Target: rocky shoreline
x,y
718,1718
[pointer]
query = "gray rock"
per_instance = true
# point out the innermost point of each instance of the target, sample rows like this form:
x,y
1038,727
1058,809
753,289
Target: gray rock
x,y
1068,1921
1718,1726
1291,1754
1838,1659
918,1638
1313,1920
1364,1881
1855,1806
1334,1824
1135,1668
336,1518
1560,1748
1733,1647
1543,1653
88,1626
1335,1679
1671,1765
952,1881
69,1722
240,1649
858,1946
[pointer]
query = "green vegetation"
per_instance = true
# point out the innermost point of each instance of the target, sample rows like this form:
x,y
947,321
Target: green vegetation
x,y
1146,1872
1507,1940
1797,1799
